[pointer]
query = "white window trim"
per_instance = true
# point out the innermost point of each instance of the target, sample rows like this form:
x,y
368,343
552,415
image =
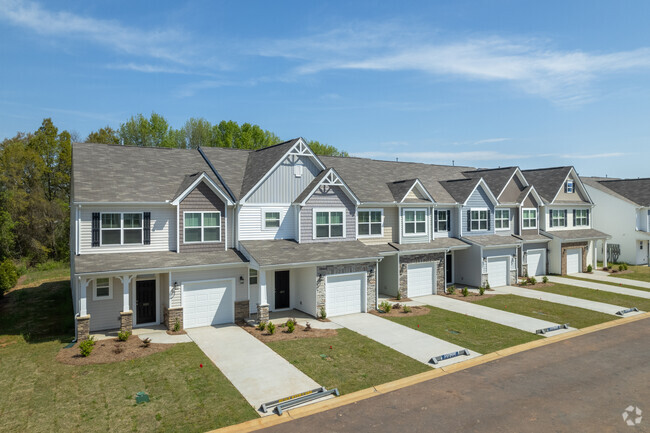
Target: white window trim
x,y
268,210
110,290
444,212
487,219
382,224
570,186
426,222
202,227
564,221
523,219
586,217
313,221
501,219
121,229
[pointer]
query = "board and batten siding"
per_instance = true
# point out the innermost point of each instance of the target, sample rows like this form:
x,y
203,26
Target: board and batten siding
x,y
390,225
163,229
282,185
251,223
479,199
202,199
327,197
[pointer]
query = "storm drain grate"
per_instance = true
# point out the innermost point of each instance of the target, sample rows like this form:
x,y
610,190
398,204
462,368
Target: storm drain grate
x,y
552,328
297,399
627,310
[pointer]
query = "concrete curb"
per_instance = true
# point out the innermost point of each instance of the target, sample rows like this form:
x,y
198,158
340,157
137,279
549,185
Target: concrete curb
x,y
301,412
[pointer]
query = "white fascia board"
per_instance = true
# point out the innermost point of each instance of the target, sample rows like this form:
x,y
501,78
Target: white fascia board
x,y
213,186
346,189
493,199
421,188
120,203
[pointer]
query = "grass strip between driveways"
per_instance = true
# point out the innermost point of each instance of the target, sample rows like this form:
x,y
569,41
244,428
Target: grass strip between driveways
x,y
598,296
609,283
641,273
354,362
475,334
544,310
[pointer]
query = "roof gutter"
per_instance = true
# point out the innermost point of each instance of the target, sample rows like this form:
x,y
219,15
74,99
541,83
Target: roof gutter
x,y
321,262
216,173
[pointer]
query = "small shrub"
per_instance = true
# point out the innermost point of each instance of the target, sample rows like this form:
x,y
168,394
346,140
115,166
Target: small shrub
x,y
406,309
487,286
451,289
465,291
323,313
86,346
385,306
261,326
291,326
532,281
177,325
544,279
8,276
523,283
399,296
146,342
620,268
481,290
270,327
397,306
307,326
123,336
625,266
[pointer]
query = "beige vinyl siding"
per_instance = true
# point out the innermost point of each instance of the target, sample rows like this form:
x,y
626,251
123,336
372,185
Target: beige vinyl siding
x,y
512,190
576,196
390,226
202,199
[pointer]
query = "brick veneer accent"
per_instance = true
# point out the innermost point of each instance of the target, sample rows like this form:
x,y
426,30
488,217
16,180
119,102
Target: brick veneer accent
x,y
171,315
404,261
83,327
573,245
262,313
241,310
126,321
371,286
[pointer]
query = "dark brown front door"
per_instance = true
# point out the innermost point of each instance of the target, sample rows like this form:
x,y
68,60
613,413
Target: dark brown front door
x,y
145,301
281,290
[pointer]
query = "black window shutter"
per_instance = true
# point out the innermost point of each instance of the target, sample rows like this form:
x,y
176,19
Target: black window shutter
x,y
550,218
146,227
95,227
435,220
469,220
574,216
448,220
565,221
489,215
587,216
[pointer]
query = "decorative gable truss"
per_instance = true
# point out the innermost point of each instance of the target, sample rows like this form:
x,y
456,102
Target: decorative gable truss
x,y
330,178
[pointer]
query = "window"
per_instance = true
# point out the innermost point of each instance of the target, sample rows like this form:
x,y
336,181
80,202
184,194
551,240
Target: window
x,y
502,219
557,218
202,227
415,222
121,228
252,276
479,219
103,289
297,170
581,217
569,186
329,224
369,223
132,228
443,223
271,220
529,220
111,229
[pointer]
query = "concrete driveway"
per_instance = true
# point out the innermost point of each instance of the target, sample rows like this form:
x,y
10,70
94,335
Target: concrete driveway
x,y
260,374
600,286
525,323
604,276
412,343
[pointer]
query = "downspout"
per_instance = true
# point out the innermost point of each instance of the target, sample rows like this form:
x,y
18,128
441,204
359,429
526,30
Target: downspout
x,y
377,286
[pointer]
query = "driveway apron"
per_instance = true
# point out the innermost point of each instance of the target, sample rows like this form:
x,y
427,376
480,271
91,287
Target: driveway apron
x,y
412,343
260,374
524,323
603,276
599,286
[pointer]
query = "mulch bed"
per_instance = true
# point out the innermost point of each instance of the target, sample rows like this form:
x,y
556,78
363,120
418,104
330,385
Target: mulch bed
x,y
181,332
398,312
617,272
105,351
281,334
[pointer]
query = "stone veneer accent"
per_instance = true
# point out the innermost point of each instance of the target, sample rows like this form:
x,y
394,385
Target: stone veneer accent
x,y
83,327
171,315
573,245
513,277
371,286
126,321
524,269
241,310
404,261
262,313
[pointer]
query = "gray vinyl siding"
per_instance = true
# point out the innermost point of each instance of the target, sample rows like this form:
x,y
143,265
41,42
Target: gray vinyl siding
x,y
468,266
105,314
454,223
499,252
478,199
202,199
527,247
282,186
514,219
327,197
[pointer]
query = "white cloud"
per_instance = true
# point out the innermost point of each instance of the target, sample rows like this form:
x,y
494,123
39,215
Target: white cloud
x,y
491,140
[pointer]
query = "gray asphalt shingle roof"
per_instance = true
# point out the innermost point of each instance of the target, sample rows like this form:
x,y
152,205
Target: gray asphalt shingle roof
x,y
436,244
636,191
460,189
547,181
492,240
533,238
578,235
496,178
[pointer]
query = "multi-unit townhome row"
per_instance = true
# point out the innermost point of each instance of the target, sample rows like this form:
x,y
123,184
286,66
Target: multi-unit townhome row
x,y
199,237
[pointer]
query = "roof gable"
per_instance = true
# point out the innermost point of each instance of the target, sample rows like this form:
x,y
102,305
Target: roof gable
x,y
548,181
497,178
192,181
330,178
401,190
636,190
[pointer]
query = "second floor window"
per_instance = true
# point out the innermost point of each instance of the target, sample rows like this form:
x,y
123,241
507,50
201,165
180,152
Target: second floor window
x,y
502,219
529,218
569,186
252,276
581,217
443,220
370,223
415,222
329,224
271,220
558,218
479,219
121,228
202,227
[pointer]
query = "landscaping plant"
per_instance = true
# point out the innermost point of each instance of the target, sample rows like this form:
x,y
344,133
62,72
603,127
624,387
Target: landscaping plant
x,y
451,289
465,291
544,279
261,326
620,268
481,290
146,342
397,306
270,327
487,286
625,266
177,325
86,346
590,269
323,313
307,326
399,296
123,336
532,280
385,306
291,326
406,309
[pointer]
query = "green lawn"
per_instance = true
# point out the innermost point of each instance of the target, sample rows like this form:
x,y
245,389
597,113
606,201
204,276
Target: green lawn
x,y
641,273
355,362
598,296
45,271
611,283
40,394
557,313
475,334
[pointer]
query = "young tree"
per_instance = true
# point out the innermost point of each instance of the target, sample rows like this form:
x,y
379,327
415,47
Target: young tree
x,y
325,149
105,135
197,133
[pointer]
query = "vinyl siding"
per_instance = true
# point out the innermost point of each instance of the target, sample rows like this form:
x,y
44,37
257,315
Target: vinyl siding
x,y
241,289
390,225
251,223
512,190
327,197
454,223
163,229
203,199
540,246
105,314
468,266
514,223
282,185
478,199
576,196
419,238
499,252
569,218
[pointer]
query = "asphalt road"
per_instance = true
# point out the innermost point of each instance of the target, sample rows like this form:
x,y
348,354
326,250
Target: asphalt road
x,y
579,385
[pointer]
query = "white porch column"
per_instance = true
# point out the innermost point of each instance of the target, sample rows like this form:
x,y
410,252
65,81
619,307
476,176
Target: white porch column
x,y
83,309
594,259
263,295
126,284
605,261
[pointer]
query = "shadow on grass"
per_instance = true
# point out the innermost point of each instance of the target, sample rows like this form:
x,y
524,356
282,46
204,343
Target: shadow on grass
x,y
39,313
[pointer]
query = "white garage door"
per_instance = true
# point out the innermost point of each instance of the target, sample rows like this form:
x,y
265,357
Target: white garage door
x,y
208,303
345,294
498,271
573,260
536,262
420,279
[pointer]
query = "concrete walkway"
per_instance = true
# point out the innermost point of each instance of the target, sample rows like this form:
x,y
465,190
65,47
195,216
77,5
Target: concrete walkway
x,y
412,343
604,276
524,323
601,286
565,300
260,374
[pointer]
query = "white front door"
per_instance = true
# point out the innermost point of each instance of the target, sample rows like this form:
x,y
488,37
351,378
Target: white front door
x,y
642,253
573,260
345,294
208,303
421,279
536,262
498,271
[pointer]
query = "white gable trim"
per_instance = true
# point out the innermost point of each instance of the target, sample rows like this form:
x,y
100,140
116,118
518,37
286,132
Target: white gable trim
x,y
299,149
332,178
213,186
538,199
577,181
422,189
491,196
521,177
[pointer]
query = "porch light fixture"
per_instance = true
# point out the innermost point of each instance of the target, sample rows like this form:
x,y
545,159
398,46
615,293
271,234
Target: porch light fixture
x,y
241,279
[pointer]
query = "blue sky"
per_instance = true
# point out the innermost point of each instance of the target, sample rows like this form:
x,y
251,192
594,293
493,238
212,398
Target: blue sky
x,y
482,83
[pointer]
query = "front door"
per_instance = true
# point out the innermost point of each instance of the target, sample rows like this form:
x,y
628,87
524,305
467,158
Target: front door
x,y
145,301
281,290
449,270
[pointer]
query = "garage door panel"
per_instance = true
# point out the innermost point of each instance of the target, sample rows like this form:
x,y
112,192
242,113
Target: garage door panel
x,y
498,271
421,279
207,303
345,294
536,263
573,260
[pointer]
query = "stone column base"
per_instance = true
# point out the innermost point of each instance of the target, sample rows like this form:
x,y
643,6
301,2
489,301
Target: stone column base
x,y
241,310
83,327
126,321
262,313
172,316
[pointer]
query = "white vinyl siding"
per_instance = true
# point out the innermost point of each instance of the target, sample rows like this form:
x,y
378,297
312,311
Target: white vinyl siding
x,y
282,185
251,223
